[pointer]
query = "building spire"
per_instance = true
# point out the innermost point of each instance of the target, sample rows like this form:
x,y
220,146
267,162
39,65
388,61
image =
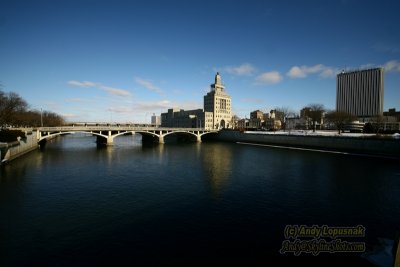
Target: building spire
x,y
217,85
218,79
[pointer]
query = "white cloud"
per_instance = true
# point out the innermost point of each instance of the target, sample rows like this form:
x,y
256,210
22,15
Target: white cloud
x,y
108,89
389,66
367,66
152,105
271,77
296,72
304,71
164,105
120,109
148,85
140,108
392,66
245,69
115,91
82,84
329,72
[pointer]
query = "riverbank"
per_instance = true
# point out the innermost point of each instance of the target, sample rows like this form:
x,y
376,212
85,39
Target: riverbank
x,y
13,150
371,144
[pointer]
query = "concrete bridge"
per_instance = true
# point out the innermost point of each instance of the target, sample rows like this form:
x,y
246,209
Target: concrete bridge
x,y
108,133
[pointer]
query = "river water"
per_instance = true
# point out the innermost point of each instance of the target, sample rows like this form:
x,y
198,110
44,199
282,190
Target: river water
x,y
186,204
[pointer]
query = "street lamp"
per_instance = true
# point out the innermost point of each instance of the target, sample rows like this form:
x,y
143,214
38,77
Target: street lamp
x,y
41,117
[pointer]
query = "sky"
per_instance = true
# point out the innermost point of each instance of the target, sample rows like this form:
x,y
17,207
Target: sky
x,y
122,61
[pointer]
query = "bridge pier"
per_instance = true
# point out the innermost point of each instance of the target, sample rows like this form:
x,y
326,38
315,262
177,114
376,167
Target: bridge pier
x,y
110,139
106,134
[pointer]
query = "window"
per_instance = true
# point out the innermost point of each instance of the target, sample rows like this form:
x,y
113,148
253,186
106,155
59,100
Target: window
x,y
222,103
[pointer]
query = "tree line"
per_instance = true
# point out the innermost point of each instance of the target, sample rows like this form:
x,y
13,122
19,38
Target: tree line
x,y
15,112
314,113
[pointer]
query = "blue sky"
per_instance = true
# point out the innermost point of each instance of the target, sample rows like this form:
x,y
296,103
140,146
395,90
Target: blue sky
x,y
121,61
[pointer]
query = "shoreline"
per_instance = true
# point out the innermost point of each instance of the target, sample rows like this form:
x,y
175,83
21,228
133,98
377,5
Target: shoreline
x,y
357,145
322,151
17,149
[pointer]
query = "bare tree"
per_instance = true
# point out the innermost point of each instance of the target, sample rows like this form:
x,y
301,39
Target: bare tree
x,y
339,119
234,121
14,111
52,119
282,113
33,118
377,122
314,114
10,104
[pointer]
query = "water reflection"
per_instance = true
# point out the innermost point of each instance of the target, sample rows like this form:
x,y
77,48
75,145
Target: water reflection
x,y
217,163
135,200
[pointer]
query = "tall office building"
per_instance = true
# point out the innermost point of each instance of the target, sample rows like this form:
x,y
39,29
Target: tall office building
x,y
218,102
217,112
360,92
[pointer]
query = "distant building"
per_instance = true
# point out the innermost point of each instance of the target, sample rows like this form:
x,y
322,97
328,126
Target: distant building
x,y
179,118
304,112
272,120
259,120
295,123
243,124
360,92
217,112
256,120
272,124
155,120
257,114
392,115
305,121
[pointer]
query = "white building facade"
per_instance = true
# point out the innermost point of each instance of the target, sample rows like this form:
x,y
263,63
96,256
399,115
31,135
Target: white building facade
x,y
217,112
219,103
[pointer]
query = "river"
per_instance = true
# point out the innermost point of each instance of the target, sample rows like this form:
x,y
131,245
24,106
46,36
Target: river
x,y
186,204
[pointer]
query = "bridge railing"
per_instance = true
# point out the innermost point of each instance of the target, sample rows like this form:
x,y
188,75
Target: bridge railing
x,y
117,128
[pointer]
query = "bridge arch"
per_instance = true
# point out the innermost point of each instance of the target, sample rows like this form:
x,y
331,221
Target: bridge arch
x,y
148,133
185,132
110,132
72,132
123,133
207,133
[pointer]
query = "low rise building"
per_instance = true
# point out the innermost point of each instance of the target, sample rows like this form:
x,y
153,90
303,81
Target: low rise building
x,y
179,118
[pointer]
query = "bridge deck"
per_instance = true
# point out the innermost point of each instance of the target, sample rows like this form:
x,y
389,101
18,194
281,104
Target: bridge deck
x,y
120,128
